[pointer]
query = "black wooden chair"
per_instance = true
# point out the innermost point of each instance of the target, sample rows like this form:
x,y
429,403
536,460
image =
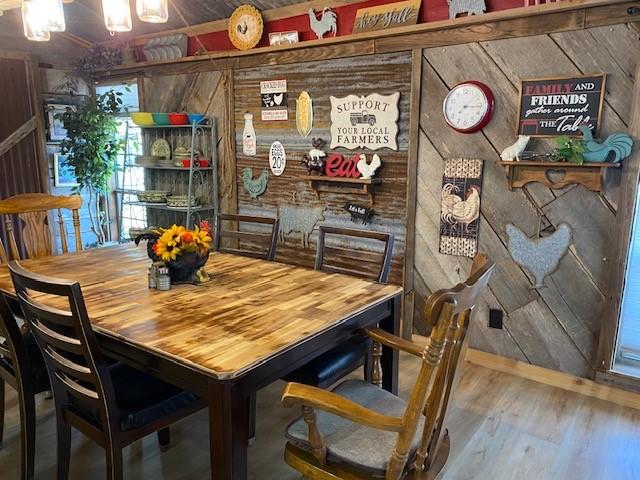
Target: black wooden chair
x,y
114,405
258,245
341,360
22,368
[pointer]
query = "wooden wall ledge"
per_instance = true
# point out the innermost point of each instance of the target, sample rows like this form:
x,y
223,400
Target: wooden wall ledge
x,y
518,22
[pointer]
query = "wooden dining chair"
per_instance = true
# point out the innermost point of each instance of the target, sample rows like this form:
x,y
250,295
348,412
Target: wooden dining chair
x,y
341,360
114,405
258,245
362,431
32,212
22,368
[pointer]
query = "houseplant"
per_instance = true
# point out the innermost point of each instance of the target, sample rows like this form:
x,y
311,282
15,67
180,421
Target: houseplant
x,y
92,146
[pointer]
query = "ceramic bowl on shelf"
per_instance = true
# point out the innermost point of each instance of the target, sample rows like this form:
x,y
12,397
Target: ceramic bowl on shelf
x,y
142,119
196,118
153,196
181,201
204,163
161,118
179,118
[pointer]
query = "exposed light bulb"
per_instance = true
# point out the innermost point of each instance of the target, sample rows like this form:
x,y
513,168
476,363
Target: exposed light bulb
x,y
152,11
117,15
34,22
53,13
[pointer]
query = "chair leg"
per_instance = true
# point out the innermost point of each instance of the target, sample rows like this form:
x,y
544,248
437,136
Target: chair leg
x,y
253,401
64,446
114,462
1,411
164,439
28,433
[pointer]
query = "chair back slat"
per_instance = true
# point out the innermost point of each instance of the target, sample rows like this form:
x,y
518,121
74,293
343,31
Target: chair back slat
x,y
450,312
341,258
3,253
31,214
57,316
249,243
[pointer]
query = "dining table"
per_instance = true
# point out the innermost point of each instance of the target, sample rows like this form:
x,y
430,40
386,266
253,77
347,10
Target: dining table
x,y
252,323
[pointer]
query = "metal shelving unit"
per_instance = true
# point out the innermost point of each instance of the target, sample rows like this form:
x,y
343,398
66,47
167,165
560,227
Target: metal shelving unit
x,y
199,182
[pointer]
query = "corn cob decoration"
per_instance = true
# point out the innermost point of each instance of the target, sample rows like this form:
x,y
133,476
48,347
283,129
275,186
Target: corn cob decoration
x,y
304,114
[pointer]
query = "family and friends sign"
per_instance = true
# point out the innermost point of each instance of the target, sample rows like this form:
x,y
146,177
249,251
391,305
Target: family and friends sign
x,y
560,106
365,122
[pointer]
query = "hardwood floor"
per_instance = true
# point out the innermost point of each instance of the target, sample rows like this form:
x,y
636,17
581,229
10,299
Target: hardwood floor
x,y
502,428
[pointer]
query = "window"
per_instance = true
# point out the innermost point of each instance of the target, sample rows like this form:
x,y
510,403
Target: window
x,y
129,179
627,356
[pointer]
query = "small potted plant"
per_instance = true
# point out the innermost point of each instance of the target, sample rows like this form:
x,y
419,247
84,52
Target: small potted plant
x,y
184,251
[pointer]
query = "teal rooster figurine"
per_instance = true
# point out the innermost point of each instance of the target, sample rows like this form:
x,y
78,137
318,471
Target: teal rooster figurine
x,y
618,143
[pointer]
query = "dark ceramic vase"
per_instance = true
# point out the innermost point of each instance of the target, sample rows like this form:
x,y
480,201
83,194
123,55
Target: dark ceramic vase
x,y
184,268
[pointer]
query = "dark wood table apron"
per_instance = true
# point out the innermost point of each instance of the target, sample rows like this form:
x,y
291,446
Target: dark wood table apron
x,y
132,326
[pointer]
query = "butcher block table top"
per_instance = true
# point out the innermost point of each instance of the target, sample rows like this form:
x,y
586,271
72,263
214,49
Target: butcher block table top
x,y
250,311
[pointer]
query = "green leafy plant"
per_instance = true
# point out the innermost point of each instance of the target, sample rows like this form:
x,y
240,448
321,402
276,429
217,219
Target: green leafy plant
x,y
92,146
570,149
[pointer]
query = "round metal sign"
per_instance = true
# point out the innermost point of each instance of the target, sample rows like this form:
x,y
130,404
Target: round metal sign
x,y
277,158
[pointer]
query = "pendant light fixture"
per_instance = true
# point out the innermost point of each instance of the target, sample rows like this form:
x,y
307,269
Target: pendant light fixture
x,y
152,11
34,22
53,13
117,15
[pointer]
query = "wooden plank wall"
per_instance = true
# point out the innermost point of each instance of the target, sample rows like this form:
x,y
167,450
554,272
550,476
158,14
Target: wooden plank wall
x,y
556,326
384,74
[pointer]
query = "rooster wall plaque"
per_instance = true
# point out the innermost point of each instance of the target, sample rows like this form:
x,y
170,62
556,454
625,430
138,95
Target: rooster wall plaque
x,y
460,207
245,27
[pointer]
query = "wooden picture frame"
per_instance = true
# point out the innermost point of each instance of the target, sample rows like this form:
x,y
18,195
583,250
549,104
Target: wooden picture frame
x,y
63,174
603,90
55,128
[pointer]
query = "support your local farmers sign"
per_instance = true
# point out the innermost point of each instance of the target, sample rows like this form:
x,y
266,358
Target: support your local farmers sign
x,y
560,106
365,122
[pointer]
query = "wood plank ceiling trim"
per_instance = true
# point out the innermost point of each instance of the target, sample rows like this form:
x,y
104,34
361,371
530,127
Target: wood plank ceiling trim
x,y
518,22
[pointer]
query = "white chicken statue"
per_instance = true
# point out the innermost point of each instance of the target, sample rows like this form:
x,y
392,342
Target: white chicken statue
x,y
457,210
368,170
328,22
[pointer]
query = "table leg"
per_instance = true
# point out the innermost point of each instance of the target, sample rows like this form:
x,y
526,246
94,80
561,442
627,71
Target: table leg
x,y
228,431
390,357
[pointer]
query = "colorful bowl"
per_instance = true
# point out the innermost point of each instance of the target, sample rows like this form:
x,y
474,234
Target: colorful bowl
x,y
142,119
161,118
179,119
196,118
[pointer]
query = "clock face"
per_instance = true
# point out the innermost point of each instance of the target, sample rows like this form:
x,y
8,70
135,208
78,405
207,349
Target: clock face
x,y
468,107
245,27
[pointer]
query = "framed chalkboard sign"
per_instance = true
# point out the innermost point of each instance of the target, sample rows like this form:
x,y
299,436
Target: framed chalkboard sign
x,y
560,106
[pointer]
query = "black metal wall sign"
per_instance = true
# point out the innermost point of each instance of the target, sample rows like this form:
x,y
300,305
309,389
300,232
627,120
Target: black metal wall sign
x,y
560,106
358,212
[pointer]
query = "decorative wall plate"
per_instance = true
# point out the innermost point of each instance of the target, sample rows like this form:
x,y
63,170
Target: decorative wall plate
x,y
245,27
161,148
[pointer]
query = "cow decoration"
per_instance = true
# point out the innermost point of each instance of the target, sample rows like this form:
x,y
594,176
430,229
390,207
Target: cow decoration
x,y
315,160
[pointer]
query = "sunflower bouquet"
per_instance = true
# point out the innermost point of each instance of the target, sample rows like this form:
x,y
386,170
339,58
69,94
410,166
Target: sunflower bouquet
x,y
184,251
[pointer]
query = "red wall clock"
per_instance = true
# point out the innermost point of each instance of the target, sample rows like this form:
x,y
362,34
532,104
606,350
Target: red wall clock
x,y
468,107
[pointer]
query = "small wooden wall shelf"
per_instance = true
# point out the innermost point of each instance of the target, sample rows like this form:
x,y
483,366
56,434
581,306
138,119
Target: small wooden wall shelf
x,y
357,186
557,174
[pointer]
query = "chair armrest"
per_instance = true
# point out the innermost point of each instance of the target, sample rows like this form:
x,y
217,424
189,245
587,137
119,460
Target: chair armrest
x,y
386,338
305,395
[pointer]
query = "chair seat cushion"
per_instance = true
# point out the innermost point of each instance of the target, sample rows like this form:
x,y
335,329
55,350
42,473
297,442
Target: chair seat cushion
x,y
331,366
348,442
38,370
142,399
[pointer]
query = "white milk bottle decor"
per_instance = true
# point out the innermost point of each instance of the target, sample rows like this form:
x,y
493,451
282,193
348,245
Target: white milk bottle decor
x,y
248,136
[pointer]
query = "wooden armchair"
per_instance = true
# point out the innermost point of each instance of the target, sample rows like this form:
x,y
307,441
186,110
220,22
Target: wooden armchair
x,y
266,242
32,211
364,432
